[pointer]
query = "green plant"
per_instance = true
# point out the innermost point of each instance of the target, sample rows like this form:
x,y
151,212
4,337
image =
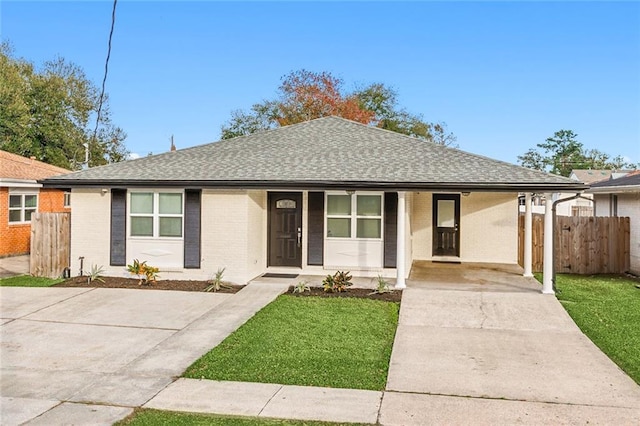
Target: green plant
x,y
216,283
337,282
383,286
95,273
301,287
145,273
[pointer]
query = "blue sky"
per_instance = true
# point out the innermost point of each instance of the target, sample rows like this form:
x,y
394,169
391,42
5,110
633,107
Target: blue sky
x,y
504,76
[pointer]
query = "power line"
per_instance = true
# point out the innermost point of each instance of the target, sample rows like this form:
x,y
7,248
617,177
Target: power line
x,y
106,71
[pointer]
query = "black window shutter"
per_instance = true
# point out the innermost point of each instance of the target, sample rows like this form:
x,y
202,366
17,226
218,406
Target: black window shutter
x,y
315,229
192,219
390,229
118,249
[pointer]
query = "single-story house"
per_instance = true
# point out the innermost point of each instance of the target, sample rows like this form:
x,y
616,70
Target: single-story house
x,y
315,197
21,195
621,197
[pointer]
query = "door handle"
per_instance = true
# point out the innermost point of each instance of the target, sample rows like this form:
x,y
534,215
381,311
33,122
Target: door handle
x,y
299,237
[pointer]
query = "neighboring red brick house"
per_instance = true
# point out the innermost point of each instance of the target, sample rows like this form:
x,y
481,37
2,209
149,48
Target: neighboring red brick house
x,y
21,195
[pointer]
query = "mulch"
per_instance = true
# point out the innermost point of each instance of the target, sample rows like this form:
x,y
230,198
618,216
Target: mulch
x,y
185,285
361,293
133,283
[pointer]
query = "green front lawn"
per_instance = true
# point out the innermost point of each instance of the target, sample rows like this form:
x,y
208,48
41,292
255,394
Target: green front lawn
x,y
145,417
607,310
29,281
308,341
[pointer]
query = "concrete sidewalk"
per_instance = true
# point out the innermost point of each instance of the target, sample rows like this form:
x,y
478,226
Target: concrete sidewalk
x,y
91,355
269,400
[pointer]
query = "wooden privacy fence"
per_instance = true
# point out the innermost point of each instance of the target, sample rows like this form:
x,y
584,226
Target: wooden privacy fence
x,y
583,245
50,244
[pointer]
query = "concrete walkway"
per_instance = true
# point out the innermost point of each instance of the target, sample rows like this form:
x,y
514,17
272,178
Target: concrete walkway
x,y
88,356
12,266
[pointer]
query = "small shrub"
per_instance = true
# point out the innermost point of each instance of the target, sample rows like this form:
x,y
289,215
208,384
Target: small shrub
x,y
301,287
216,283
146,274
95,274
337,282
383,286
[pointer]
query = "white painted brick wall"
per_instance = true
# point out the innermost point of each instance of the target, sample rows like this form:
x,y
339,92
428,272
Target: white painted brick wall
x,y
90,225
488,227
256,233
224,234
421,219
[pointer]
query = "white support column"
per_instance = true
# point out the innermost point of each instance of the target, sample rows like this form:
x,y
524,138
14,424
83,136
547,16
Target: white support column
x,y
401,249
547,271
527,236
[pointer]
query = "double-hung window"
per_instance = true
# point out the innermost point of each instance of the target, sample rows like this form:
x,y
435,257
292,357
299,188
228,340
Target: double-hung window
x,y
156,214
21,207
354,216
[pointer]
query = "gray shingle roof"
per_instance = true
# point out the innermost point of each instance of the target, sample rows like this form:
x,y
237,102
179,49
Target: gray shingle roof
x,y
632,179
590,176
326,152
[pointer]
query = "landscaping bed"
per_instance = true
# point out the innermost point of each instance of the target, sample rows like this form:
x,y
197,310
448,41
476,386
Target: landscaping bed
x,y
121,282
360,293
194,285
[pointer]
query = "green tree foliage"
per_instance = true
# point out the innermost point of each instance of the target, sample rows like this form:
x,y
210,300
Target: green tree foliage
x,y
50,113
304,95
562,153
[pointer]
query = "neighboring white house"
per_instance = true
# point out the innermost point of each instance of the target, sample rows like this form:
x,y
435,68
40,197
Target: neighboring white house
x,y
621,197
308,198
578,206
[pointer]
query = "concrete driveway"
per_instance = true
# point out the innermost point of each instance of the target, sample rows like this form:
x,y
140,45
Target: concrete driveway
x,y
83,355
491,349
16,265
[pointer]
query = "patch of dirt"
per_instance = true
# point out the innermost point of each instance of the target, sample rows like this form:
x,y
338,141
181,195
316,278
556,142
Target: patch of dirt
x,y
362,293
119,282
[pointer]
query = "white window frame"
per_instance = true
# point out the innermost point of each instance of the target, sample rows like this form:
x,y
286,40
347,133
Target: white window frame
x,y
66,200
155,215
354,215
22,207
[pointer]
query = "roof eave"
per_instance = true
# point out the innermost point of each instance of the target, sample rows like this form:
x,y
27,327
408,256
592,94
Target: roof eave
x,y
613,189
293,184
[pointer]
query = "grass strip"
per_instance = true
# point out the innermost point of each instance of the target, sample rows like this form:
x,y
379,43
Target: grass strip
x,y
29,281
147,417
607,310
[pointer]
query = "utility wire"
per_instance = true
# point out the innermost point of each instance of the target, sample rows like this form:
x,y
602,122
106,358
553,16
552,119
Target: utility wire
x,y
106,71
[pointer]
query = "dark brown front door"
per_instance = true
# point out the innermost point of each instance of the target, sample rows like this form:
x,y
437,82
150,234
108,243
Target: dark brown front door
x,y
285,229
446,225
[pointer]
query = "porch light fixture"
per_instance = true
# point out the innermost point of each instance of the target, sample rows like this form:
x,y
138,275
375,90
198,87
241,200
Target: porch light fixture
x,y
350,191
466,193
